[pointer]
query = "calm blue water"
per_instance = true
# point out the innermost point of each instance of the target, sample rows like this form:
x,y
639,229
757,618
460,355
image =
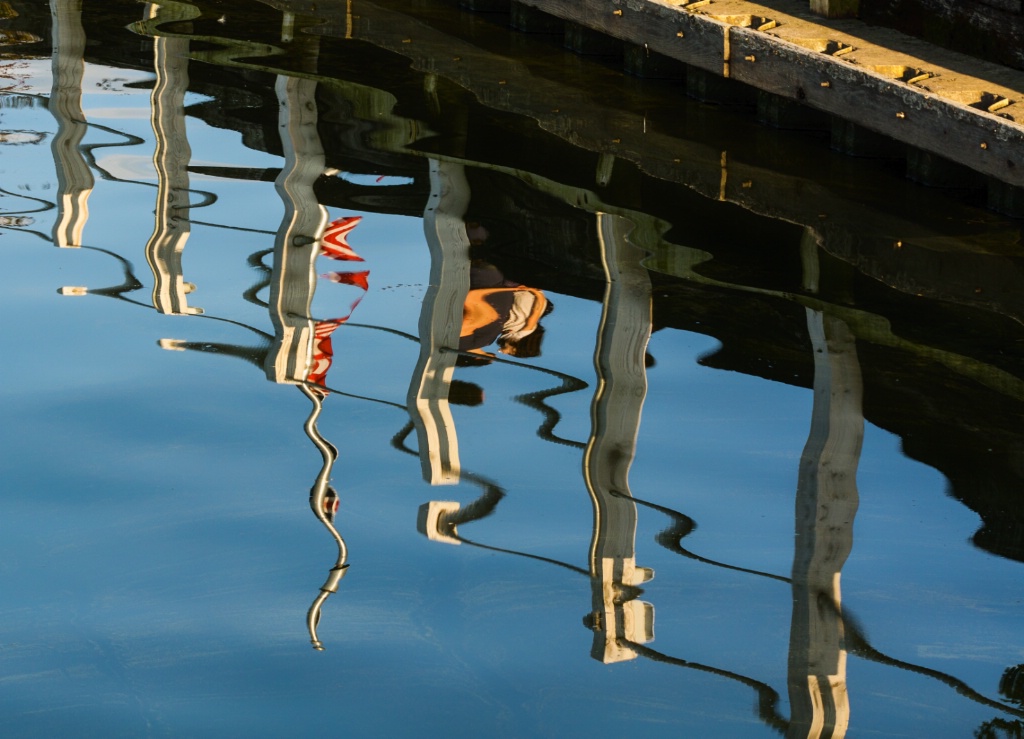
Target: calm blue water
x,y
159,556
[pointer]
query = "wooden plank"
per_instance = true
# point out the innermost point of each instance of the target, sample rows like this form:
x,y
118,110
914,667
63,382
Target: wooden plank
x,y
580,119
662,26
736,39
980,140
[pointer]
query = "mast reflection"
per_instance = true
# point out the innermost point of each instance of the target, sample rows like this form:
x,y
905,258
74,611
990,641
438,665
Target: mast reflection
x,y
617,617
323,500
826,503
819,638
440,319
74,178
171,157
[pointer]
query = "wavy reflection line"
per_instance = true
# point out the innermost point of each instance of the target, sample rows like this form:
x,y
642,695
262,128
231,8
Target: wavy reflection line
x,y
857,642
767,696
88,151
47,205
441,521
74,178
131,284
323,502
681,527
255,261
534,400
446,521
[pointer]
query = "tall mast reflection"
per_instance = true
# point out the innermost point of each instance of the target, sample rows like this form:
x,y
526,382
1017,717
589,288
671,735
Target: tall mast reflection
x,y
826,503
323,499
440,321
292,284
74,178
625,328
171,157
293,279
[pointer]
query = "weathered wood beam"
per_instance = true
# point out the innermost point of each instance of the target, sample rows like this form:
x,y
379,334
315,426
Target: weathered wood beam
x,y
887,82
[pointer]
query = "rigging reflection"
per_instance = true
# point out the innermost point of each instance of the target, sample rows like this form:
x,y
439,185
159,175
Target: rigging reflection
x,y
323,500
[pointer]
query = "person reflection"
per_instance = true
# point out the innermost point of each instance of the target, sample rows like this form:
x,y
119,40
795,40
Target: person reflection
x,y
498,310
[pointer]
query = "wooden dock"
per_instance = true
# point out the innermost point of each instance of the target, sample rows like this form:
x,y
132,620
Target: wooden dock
x,y
945,103
958,114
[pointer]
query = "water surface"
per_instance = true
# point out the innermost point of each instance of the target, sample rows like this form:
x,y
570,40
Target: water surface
x,y
762,368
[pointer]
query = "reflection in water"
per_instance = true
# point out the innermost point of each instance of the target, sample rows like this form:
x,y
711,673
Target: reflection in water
x,y
171,158
323,499
502,311
294,272
74,178
470,305
440,318
617,618
826,503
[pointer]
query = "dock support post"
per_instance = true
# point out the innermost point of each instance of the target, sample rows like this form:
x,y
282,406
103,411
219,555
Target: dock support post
x,y
934,171
856,141
527,19
1005,199
836,8
781,112
589,42
713,88
639,61
486,6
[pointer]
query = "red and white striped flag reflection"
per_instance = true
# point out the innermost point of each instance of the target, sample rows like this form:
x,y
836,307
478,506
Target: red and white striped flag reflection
x,y
334,245
334,242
